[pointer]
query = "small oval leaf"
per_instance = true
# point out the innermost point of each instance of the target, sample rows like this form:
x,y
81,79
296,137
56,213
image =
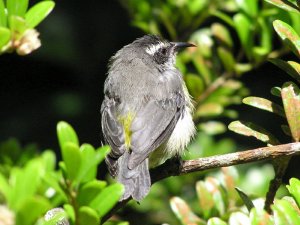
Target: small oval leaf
x,y
38,12
291,101
251,129
264,104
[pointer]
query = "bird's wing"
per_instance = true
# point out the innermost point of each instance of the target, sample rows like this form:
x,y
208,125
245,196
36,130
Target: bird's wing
x,y
152,125
113,133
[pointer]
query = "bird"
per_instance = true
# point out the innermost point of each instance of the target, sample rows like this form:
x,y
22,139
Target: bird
x,y
146,114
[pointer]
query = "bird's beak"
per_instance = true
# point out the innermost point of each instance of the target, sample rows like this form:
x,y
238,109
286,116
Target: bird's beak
x,y
180,45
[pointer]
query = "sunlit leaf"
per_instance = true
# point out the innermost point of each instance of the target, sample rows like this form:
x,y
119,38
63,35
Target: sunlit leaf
x,y
260,217
216,221
284,213
227,59
251,129
209,109
3,18
294,189
184,213
292,68
107,198
247,201
32,209
212,127
239,218
291,102
248,6
16,7
88,216
264,104
17,25
222,34
4,36
38,13
72,159
284,4
243,27
288,35
89,191
66,134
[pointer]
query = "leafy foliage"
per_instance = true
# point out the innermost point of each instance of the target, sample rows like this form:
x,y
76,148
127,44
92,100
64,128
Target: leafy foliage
x,y
17,24
219,203
289,92
27,184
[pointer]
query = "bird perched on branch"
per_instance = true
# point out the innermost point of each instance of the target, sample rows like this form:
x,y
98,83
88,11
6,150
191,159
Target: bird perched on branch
x,y
146,112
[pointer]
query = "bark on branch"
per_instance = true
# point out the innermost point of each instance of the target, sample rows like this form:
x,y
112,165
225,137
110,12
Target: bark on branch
x,y
176,167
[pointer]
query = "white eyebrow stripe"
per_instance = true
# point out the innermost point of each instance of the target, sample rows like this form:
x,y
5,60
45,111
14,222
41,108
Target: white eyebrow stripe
x,y
153,48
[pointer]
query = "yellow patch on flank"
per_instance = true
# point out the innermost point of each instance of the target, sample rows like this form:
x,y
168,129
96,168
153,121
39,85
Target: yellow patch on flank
x,y
126,123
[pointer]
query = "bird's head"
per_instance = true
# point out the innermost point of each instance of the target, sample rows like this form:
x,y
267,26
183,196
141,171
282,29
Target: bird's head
x,y
158,50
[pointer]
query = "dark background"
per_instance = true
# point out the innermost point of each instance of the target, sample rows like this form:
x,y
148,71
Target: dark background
x,y
63,80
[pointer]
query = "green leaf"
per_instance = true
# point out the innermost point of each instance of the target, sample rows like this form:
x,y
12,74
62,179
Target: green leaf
x,y
17,7
294,189
26,182
209,109
248,6
49,160
89,191
110,222
251,129
247,201
88,216
288,35
206,201
17,25
216,221
223,16
260,217
66,134
88,166
292,68
239,218
212,127
32,209
70,212
183,212
291,102
284,4
276,91
3,17
227,59
194,84
243,28
38,13
4,187
107,198
72,159
264,104
222,34
52,179
5,35
101,153
284,213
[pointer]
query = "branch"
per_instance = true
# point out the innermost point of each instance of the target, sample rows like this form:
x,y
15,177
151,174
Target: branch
x,y
176,167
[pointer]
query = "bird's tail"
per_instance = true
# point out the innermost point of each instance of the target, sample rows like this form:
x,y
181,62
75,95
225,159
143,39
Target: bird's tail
x,y
136,181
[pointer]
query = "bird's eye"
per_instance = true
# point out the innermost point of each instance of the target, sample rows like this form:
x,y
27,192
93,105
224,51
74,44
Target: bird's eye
x,y
163,51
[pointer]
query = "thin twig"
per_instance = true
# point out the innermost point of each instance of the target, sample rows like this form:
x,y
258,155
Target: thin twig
x,y
177,168
280,167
